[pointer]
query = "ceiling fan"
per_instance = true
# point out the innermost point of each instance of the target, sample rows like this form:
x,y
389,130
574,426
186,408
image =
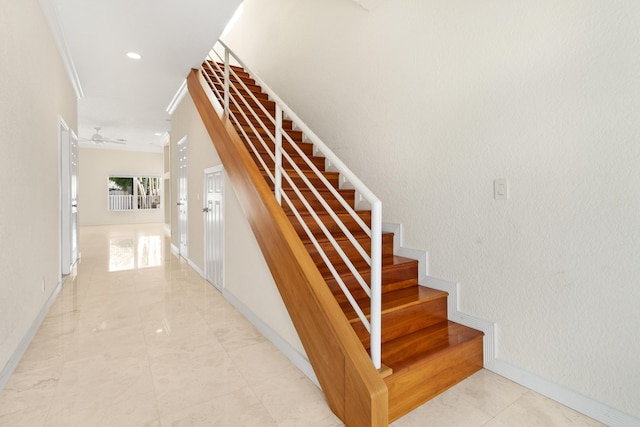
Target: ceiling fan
x,y
99,139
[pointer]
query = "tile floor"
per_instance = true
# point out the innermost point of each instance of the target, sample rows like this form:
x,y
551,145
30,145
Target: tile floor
x,y
137,338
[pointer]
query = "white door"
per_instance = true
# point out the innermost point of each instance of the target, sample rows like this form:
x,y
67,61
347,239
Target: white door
x,y
214,226
75,252
182,198
68,143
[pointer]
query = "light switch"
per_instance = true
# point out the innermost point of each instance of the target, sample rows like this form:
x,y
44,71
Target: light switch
x,y
500,189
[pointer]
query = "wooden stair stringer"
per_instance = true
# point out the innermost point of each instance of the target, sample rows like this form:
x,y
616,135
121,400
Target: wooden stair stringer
x,y
353,388
411,314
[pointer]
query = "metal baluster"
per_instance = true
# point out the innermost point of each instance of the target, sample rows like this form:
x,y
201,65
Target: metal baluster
x,y
226,81
376,284
278,166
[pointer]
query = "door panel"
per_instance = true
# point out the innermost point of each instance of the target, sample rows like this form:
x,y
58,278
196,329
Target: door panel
x,y
75,252
68,145
214,226
182,199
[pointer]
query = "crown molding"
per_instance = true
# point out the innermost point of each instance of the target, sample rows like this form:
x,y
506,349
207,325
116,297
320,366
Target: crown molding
x,y
182,91
51,15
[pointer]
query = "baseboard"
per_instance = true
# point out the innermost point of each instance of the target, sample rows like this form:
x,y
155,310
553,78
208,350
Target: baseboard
x,y
195,267
300,361
11,365
455,315
401,250
167,230
175,250
570,398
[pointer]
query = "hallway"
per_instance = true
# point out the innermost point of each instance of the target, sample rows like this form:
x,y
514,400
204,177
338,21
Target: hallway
x,y
137,338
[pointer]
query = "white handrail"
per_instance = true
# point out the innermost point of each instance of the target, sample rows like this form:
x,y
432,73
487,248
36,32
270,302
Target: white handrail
x,y
350,176
232,91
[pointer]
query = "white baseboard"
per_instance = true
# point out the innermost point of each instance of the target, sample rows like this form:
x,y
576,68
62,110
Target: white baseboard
x,y
299,361
570,398
175,250
400,250
457,316
167,230
195,267
11,365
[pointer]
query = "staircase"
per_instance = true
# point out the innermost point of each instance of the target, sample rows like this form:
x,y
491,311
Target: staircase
x,y
423,353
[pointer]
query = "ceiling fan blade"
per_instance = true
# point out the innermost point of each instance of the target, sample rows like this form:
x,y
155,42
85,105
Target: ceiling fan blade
x,y
98,139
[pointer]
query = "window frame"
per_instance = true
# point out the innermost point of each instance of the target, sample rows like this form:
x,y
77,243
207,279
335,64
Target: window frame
x,y
153,202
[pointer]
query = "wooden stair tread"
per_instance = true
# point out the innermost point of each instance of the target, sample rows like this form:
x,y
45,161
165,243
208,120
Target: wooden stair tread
x,y
364,215
359,235
397,273
404,353
391,262
395,300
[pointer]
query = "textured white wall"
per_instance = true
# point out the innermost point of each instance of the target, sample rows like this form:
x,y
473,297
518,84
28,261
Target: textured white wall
x,y
29,214
430,101
95,166
246,275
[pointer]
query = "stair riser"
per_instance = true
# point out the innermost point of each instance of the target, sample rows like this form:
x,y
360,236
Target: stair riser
x,y
305,147
330,199
411,389
270,133
255,90
330,225
269,106
394,277
314,180
406,320
243,94
318,162
287,125
315,204
349,249
241,75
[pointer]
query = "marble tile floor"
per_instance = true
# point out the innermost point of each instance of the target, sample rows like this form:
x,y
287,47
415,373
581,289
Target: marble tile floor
x,y
137,338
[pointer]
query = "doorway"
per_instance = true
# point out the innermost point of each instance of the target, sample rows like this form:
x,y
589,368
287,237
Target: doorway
x,y
183,233
68,148
213,211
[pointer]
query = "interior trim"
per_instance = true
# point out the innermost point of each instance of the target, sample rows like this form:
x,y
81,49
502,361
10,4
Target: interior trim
x,y
51,16
13,361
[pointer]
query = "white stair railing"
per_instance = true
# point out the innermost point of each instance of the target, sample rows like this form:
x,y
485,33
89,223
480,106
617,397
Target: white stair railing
x,y
276,150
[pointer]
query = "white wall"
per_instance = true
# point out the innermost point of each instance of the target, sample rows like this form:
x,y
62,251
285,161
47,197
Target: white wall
x,y
29,169
430,101
95,165
247,278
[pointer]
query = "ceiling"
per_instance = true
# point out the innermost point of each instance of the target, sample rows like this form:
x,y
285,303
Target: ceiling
x,y
128,98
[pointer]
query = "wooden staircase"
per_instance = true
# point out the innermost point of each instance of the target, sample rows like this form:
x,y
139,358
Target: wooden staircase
x,y
423,353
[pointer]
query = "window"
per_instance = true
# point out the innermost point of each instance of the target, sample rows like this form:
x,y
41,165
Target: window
x,y
133,192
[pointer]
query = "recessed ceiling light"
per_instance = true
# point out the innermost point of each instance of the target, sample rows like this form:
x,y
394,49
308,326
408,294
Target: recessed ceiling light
x,y
158,134
134,55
